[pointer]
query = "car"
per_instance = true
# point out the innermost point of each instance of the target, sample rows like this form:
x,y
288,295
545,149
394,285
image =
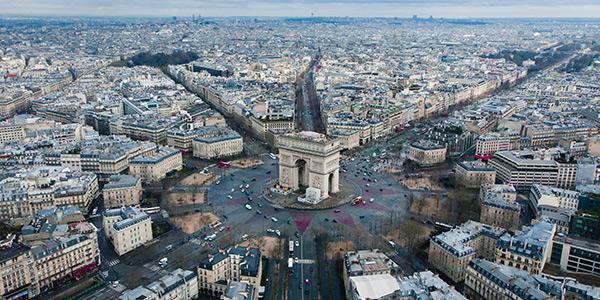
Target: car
x,y
218,182
274,219
229,196
297,243
277,232
337,211
297,234
295,259
248,207
362,217
244,237
371,200
232,190
270,230
258,212
259,205
265,216
334,220
115,284
326,219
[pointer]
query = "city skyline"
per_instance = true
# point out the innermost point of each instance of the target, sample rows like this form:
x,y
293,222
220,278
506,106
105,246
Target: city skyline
x,y
339,8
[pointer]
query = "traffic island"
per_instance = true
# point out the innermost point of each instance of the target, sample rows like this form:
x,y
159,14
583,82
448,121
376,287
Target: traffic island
x,y
345,195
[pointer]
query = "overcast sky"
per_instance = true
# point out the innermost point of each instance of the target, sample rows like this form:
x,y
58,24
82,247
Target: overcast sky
x,y
359,8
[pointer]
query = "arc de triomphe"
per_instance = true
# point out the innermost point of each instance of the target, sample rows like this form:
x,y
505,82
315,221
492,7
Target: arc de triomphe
x,y
309,159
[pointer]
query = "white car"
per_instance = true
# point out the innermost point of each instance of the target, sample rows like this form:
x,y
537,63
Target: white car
x,y
229,196
274,219
248,207
232,190
247,186
297,244
371,200
277,232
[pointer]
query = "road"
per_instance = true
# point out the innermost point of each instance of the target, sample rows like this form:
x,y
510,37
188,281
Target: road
x,y
307,113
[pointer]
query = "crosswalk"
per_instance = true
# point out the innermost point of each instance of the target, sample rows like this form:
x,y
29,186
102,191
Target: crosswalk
x,y
113,262
306,261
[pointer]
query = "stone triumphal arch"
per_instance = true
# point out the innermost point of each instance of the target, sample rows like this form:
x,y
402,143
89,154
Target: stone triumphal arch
x,y
309,160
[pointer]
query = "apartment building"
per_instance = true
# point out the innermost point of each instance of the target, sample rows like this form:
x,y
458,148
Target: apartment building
x,y
236,263
127,228
488,280
545,197
576,255
179,284
349,139
11,132
473,174
426,153
223,144
451,251
65,258
122,190
46,187
420,285
142,127
493,142
528,249
17,274
499,207
364,269
17,102
154,166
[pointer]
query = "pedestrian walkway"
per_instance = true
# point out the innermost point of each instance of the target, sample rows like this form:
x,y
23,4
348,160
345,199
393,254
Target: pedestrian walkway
x,y
306,261
113,262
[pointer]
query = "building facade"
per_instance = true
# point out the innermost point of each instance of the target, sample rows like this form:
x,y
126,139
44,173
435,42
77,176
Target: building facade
x,y
450,252
17,273
155,166
473,174
426,153
528,249
122,190
127,228
238,263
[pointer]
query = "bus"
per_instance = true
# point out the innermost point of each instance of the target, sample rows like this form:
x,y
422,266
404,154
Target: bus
x,y
291,246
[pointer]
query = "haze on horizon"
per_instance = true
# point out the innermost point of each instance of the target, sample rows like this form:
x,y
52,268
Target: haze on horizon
x,y
352,8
